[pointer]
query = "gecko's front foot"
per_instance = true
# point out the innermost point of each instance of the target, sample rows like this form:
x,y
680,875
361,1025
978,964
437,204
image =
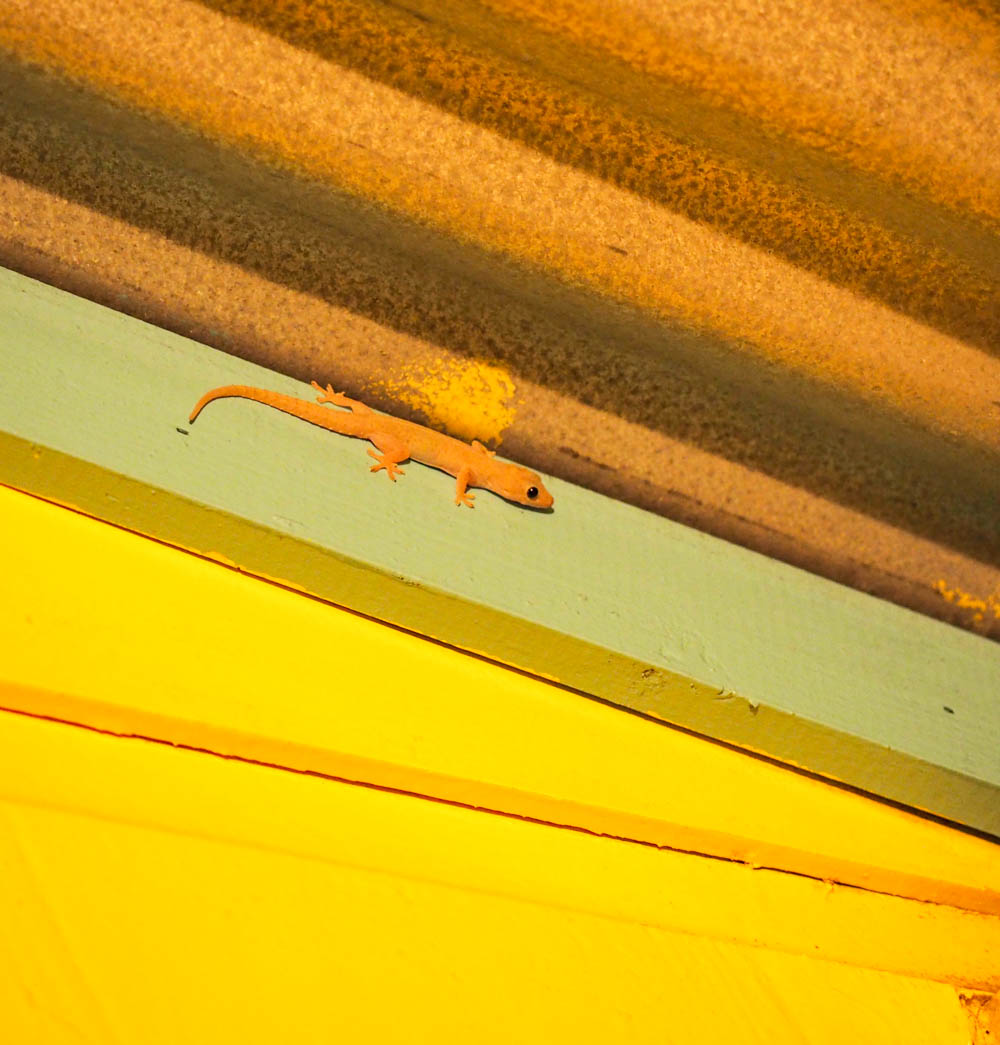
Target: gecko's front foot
x,y
465,498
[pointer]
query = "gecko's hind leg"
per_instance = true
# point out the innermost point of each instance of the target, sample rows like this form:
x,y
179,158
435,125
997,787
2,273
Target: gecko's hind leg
x,y
327,395
389,458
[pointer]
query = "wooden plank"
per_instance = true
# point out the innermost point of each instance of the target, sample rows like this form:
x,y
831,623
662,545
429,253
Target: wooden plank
x,y
223,662
262,895
597,596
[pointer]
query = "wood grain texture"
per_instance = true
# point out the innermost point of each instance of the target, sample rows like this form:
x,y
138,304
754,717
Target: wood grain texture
x,y
738,266
599,596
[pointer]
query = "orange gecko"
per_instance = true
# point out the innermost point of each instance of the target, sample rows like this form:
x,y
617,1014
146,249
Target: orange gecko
x,y
397,440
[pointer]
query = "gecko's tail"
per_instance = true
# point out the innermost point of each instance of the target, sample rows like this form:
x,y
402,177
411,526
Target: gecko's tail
x,y
343,421
240,391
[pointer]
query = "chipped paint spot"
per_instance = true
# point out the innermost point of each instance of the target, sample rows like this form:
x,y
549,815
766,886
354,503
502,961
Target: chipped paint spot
x,y
467,398
981,607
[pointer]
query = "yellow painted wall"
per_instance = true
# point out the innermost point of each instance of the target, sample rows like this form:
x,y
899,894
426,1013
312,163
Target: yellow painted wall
x,y
365,836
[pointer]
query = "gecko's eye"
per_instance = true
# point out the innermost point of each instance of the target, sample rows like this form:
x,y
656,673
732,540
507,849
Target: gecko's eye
x,y
532,492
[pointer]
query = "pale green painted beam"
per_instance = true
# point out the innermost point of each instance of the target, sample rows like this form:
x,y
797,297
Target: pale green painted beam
x,y
610,600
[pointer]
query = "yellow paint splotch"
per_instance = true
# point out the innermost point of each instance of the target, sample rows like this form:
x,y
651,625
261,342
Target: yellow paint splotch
x,y
469,399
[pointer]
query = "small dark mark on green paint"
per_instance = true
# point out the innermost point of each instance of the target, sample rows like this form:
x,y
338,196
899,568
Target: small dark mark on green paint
x,y
948,709
183,431
617,250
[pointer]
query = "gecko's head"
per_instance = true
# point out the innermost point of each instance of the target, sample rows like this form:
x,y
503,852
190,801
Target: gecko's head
x,y
524,487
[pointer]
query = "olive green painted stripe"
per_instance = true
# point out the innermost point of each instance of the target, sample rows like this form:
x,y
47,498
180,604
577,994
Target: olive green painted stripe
x,y
600,596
